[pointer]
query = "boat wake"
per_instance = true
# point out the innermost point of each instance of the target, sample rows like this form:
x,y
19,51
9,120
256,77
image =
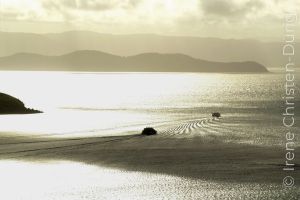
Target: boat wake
x,y
199,127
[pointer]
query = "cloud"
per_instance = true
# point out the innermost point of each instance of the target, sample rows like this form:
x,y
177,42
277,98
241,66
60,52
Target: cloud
x,y
80,10
10,14
220,18
89,5
229,8
14,13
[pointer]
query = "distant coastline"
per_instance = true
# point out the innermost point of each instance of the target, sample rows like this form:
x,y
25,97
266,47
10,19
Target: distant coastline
x,y
212,49
90,60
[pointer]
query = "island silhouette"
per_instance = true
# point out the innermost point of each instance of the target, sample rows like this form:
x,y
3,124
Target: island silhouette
x,y
91,60
12,105
206,48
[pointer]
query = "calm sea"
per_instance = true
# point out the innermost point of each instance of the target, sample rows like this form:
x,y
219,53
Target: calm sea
x,y
84,104
101,104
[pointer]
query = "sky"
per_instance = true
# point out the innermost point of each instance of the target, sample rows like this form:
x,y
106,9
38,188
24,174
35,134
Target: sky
x,y
255,19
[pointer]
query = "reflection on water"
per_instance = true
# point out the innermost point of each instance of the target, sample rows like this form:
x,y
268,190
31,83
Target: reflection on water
x,y
72,181
49,90
178,105
124,103
70,122
111,100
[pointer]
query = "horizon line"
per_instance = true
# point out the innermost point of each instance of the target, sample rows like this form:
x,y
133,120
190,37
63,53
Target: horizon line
x,y
144,33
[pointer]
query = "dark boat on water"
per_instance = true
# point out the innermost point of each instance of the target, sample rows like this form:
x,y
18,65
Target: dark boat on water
x,y
216,114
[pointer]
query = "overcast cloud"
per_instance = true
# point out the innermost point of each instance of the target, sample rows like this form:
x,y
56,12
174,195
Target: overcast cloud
x,y
210,18
231,8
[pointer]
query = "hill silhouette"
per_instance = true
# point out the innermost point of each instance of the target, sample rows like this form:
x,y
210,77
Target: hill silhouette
x,y
89,60
215,49
12,105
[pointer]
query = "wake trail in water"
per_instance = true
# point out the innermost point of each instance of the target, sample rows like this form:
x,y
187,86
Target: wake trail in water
x,y
177,129
197,127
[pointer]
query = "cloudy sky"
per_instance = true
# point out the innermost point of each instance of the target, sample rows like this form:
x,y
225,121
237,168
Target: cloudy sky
x,y
258,19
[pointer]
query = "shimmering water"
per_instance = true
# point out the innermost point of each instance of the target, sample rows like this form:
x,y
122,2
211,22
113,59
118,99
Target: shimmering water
x,y
178,105
72,181
121,103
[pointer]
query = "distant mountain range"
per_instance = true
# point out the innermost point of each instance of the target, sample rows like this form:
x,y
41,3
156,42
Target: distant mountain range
x,y
90,60
212,49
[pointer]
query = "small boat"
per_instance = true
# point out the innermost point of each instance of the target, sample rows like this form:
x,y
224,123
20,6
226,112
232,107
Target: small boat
x,y
216,114
149,131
